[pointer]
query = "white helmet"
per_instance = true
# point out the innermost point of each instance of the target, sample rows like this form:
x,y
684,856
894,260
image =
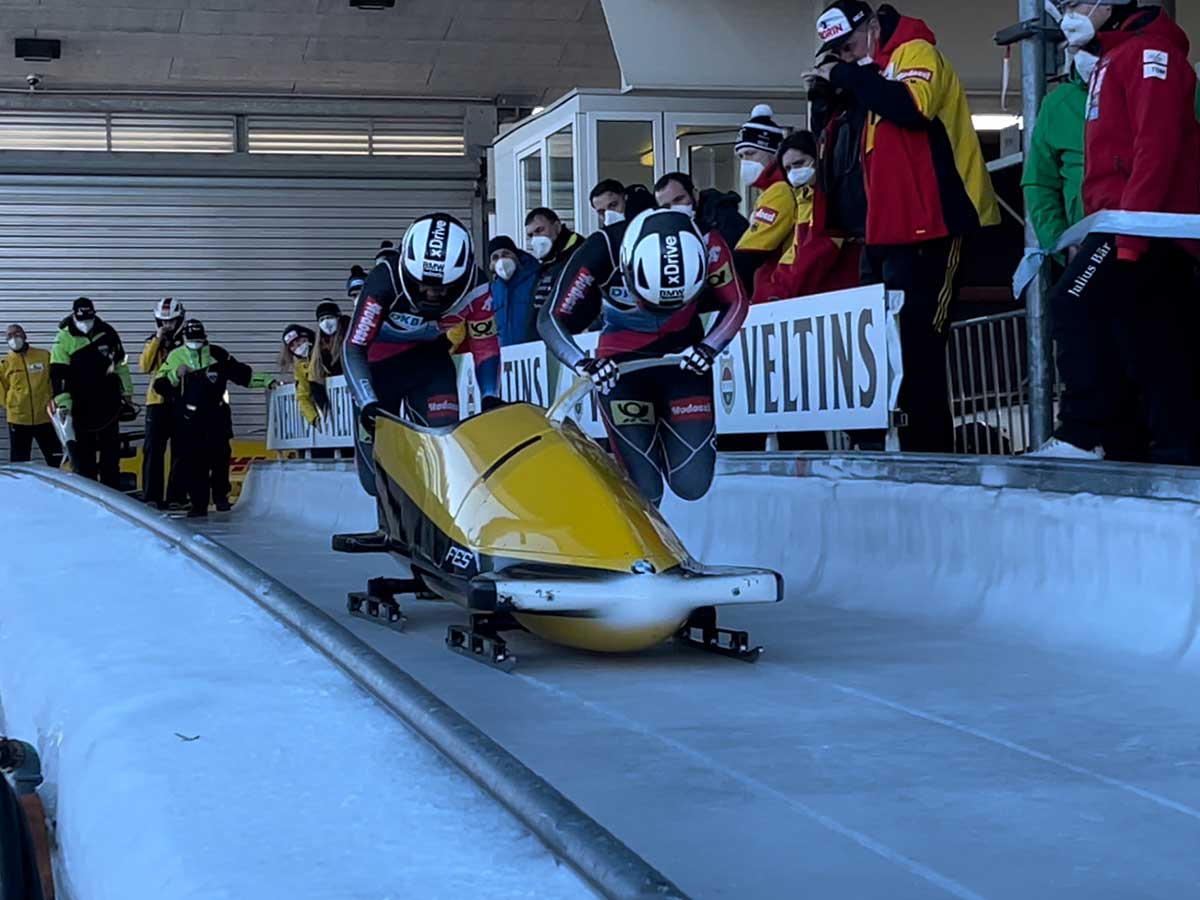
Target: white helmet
x,y
168,309
437,263
664,259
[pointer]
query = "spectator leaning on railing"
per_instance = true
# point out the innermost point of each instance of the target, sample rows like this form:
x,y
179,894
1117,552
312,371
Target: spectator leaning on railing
x,y
294,356
1124,311
927,188
773,222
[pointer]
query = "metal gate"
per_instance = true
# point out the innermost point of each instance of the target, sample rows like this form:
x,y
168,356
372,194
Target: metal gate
x,y
246,255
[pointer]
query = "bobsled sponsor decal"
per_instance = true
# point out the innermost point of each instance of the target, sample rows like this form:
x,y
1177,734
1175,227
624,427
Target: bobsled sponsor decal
x,y
367,322
459,558
632,412
691,409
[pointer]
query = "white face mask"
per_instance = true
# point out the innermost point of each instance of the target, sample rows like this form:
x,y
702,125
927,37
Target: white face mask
x,y
612,217
329,326
541,246
506,268
1078,28
686,208
195,345
1085,64
85,325
303,350
17,343
751,171
802,176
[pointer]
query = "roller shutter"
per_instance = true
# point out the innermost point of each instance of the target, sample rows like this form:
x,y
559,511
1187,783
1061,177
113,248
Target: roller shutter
x,y
245,255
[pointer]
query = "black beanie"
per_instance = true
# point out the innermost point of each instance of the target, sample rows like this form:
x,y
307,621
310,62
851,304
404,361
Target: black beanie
x,y
328,308
356,280
761,132
85,306
193,330
503,242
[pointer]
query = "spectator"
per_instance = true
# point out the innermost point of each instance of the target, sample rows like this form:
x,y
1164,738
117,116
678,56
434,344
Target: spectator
x,y
608,200
838,121
712,209
168,334
354,284
195,379
552,243
927,187
815,260
91,382
773,222
295,356
25,395
1122,311
326,361
514,273
638,199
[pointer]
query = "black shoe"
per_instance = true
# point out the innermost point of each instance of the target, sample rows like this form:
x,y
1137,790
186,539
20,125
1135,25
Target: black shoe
x,y
197,514
178,505
223,506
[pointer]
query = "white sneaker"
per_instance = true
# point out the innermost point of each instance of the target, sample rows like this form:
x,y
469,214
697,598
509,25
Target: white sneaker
x,y
1057,449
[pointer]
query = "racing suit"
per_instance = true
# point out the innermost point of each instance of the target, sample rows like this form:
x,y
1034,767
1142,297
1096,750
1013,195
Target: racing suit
x,y
394,355
661,422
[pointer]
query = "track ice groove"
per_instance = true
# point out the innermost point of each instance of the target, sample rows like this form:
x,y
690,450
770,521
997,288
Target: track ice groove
x,y
934,719
863,840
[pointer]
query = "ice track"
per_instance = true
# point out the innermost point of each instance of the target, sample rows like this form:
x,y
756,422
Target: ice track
x,y
866,756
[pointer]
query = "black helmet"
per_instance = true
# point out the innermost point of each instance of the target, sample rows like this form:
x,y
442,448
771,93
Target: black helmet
x,y
437,264
193,330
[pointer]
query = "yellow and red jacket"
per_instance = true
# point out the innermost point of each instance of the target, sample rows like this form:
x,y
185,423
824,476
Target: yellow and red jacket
x,y
772,226
922,162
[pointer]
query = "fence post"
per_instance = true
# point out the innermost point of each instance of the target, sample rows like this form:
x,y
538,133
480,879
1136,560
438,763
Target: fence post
x,y
1041,365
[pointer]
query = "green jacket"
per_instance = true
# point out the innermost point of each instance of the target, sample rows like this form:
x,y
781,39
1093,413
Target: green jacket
x,y
1053,179
89,373
200,393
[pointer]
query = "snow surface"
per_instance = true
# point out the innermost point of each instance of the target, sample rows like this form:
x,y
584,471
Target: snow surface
x,y
196,748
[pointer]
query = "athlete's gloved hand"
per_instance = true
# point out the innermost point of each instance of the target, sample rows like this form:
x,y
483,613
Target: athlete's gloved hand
x,y
603,372
698,359
489,403
367,416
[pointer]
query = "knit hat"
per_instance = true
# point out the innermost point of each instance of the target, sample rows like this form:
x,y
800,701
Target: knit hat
x,y
83,309
356,280
294,331
503,242
328,308
761,132
193,330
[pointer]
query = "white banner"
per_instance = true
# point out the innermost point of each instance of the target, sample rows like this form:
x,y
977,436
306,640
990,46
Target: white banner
x,y
811,364
824,363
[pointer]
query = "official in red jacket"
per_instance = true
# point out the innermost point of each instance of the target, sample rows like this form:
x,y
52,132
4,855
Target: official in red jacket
x,y
1123,312
927,187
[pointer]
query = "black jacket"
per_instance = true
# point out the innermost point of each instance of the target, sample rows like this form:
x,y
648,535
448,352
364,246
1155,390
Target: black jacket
x,y
552,267
89,367
838,121
719,212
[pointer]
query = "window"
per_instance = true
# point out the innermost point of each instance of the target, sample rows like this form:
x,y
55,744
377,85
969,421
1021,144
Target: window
x,y
714,166
355,136
560,148
122,132
625,151
531,183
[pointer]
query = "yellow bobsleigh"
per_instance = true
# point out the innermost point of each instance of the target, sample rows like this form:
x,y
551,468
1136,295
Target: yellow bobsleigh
x,y
524,521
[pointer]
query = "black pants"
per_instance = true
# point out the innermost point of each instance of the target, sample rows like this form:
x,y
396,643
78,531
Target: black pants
x,y
97,454
160,425
203,459
929,273
20,443
423,381
1123,331
661,427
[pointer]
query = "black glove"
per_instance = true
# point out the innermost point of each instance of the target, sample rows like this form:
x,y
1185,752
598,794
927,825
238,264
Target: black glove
x,y
489,403
603,372
129,412
367,416
698,359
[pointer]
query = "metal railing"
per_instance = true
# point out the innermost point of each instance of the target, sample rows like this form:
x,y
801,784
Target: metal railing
x,y
987,372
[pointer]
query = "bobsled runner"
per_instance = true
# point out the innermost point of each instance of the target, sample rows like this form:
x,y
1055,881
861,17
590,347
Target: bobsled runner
x,y
521,519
